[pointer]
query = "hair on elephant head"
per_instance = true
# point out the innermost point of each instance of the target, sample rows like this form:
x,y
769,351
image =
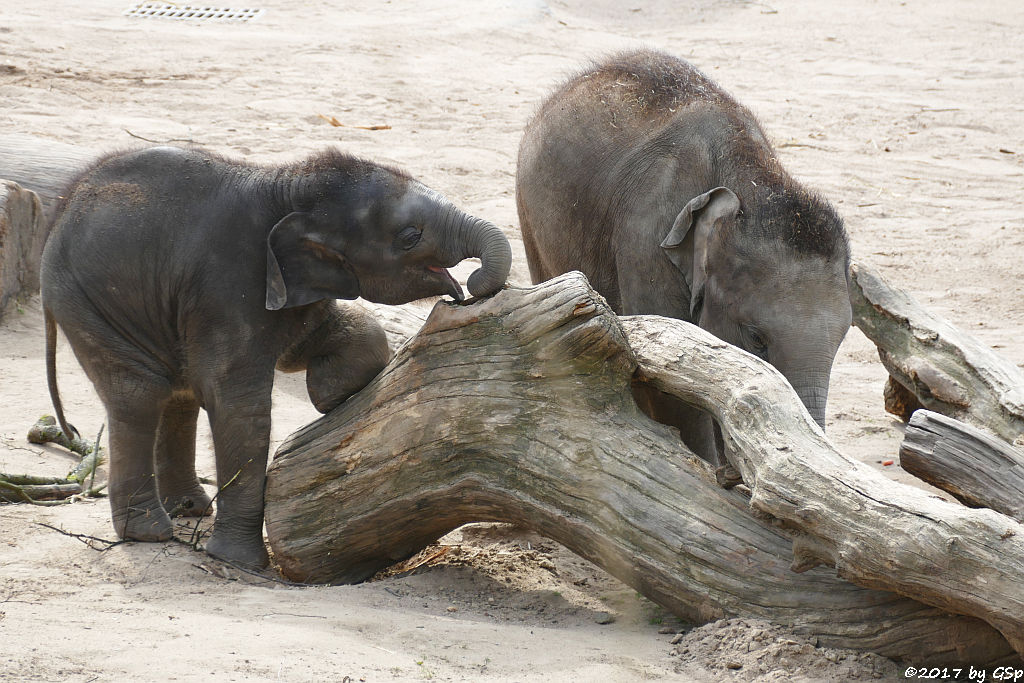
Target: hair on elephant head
x,y
182,279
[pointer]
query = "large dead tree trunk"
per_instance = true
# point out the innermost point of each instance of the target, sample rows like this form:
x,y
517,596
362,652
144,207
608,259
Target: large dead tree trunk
x,y
34,171
41,165
976,468
940,367
518,408
875,532
22,236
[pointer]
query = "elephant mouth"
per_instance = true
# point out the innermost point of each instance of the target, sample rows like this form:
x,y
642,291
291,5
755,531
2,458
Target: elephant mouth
x,y
454,289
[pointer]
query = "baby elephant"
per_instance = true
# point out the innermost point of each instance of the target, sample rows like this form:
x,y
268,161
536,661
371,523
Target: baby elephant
x,y
182,279
664,191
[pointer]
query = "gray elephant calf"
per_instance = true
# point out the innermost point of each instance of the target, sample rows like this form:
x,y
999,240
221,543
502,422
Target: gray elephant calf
x,y
664,191
182,279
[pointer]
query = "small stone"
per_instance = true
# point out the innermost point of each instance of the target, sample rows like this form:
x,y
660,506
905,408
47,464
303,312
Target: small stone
x,y
604,618
676,639
733,665
546,564
453,608
666,630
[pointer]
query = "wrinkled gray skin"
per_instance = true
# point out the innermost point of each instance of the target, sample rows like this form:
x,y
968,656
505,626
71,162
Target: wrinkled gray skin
x,y
664,191
182,279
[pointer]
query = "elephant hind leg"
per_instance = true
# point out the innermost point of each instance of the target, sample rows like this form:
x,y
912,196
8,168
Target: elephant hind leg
x,y
180,491
135,507
134,393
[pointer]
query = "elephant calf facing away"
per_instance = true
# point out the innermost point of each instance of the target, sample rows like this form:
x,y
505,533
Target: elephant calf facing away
x,y
182,279
664,191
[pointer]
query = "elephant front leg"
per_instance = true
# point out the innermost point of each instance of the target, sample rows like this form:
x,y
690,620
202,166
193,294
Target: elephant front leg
x,y
341,355
180,491
330,379
240,421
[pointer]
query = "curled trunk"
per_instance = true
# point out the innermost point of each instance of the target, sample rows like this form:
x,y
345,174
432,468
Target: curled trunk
x,y
471,237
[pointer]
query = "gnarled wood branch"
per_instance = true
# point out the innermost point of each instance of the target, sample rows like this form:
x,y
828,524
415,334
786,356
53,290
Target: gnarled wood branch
x,y
875,532
948,371
518,408
976,468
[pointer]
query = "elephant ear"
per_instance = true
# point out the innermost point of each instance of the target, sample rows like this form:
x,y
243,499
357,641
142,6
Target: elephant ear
x,y
302,268
686,244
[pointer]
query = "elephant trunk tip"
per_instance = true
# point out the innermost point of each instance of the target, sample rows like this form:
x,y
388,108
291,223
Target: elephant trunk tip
x,y
486,281
489,243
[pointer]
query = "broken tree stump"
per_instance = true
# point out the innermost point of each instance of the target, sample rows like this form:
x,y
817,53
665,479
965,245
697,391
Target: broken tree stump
x,y
971,465
518,409
22,235
948,371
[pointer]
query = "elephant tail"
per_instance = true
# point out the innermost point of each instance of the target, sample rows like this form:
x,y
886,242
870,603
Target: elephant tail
x,y
51,373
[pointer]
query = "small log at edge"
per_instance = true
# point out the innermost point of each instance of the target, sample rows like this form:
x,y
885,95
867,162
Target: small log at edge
x,y
976,468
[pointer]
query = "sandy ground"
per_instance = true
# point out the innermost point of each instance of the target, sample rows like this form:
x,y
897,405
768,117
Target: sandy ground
x,y
906,115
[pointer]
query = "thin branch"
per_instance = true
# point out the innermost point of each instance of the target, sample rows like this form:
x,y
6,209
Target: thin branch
x,y
159,142
85,538
196,537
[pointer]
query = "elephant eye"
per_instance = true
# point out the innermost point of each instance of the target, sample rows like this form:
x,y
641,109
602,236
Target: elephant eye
x,y
757,342
409,237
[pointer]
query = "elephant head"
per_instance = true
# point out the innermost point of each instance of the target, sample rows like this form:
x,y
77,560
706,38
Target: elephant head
x,y
376,233
769,275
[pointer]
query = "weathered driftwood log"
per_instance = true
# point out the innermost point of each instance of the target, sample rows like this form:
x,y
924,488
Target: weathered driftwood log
x,y
947,370
22,235
876,533
41,165
518,408
978,469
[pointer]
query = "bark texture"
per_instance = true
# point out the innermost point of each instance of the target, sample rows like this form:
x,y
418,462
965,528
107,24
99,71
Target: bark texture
x,y
22,236
948,371
875,532
518,408
973,466
44,166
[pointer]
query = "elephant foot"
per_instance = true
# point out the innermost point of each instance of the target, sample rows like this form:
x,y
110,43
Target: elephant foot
x,y
192,503
244,552
150,524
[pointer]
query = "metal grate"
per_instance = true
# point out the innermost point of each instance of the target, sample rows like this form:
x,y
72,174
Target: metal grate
x,y
162,10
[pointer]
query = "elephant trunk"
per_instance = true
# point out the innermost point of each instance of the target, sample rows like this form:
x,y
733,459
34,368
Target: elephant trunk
x,y
469,237
814,397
